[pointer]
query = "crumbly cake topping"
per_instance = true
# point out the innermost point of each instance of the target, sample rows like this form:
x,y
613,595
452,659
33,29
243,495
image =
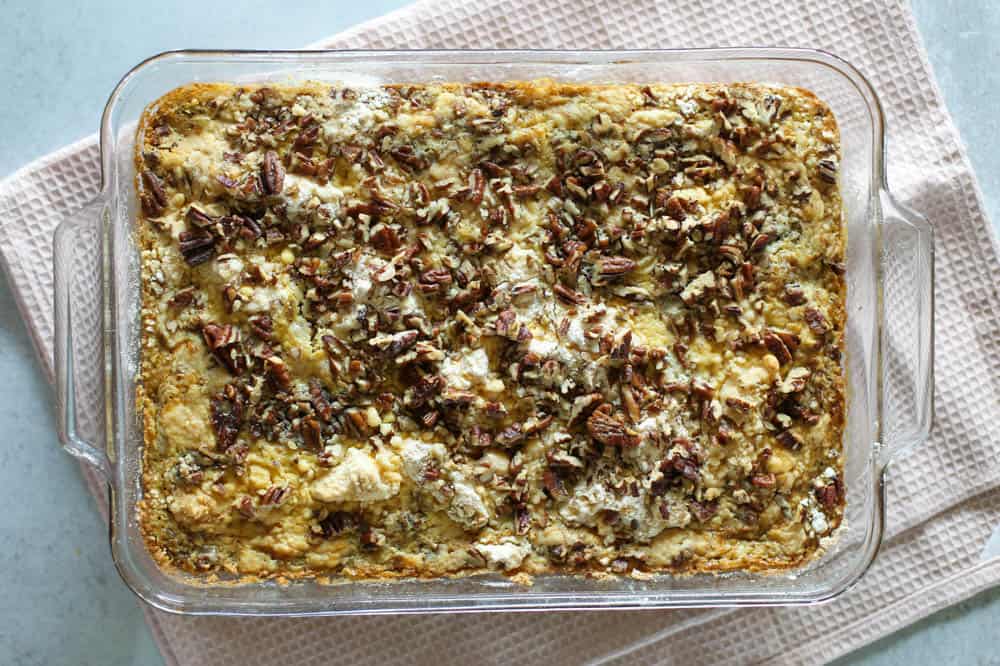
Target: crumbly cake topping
x,y
427,330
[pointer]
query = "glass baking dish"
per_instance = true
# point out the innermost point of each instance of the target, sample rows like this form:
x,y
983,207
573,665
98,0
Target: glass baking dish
x,y
889,329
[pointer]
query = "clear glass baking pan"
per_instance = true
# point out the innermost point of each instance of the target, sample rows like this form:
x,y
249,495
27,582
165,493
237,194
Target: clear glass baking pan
x,y
889,329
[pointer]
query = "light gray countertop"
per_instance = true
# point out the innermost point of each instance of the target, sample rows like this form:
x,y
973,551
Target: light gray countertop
x,y
62,601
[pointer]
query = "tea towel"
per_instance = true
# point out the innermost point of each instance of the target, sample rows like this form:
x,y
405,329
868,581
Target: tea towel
x,y
944,499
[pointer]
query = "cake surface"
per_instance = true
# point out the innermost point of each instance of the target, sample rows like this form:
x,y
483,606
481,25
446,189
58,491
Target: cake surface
x,y
527,327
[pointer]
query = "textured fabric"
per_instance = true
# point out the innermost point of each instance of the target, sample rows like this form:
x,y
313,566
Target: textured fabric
x,y
937,523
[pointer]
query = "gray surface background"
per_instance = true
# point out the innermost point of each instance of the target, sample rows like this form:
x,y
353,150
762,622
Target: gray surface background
x,y
61,601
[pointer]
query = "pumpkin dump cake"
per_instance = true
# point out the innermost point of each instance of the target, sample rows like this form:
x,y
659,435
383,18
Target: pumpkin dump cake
x,y
528,327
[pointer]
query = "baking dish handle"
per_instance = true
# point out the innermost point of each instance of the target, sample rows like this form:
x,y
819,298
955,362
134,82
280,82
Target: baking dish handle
x,y
77,280
908,328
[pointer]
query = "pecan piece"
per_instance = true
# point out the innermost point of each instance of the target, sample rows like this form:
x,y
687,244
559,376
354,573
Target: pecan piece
x,y
337,522
794,294
703,511
682,465
582,406
609,430
759,242
155,200
827,170
612,268
525,191
568,295
385,239
395,344
198,218
262,326
434,279
789,440
702,389
272,173
307,137
816,321
312,434
274,495
408,157
246,508
510,436
831,494
777,346
224,344
477,187
182,298
553,483
227,410
505,324
196,246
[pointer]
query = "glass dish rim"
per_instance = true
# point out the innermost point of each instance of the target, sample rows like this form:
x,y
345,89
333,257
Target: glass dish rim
x,y
561,58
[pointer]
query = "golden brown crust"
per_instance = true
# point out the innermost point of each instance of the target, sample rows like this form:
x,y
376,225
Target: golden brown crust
x,y
427,331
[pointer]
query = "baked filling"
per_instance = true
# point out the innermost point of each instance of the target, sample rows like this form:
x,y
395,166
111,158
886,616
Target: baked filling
x,y
528,327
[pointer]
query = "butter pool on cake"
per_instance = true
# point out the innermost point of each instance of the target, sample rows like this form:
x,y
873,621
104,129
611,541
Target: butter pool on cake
x,y
528,327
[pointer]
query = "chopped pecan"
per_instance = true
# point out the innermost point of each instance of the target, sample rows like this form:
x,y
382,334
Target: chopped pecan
x,y
536,424
274,495
477,187
816,321
337,522
430,418
262,326
510,436
395,344
506,324
385,239
583,405
197,246
683,465
675,207
553,483
703,511
554,186
794,294
702,389
182,298
227,411
456,398
246,508
224,344
827,170
434,279
407,156
272,173
795,380
198,218
789,440
156,200
763,480
631,405
425,389
307,137
522,519
611,268
777,346
568,295
831,494
525,191
312,434
739,404
609,430
759,242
